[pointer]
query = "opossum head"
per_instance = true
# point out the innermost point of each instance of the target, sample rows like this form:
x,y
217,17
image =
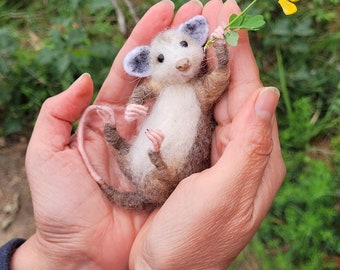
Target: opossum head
x,y
174,56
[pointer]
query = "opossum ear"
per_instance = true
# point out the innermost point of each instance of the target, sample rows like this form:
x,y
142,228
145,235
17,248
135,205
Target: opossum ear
x,y
197,28
137,62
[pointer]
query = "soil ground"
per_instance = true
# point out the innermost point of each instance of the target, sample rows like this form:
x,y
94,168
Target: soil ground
x,y
16,212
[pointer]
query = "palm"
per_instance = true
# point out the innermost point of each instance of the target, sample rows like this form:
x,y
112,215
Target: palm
x,y
79,206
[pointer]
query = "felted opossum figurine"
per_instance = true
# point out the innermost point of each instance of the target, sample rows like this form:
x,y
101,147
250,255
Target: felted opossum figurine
x,y
175,139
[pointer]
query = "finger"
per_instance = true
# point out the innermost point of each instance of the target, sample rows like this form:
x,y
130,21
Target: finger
x,y
210,10
58,113
187,11
245,77
118,85
242,61
250,148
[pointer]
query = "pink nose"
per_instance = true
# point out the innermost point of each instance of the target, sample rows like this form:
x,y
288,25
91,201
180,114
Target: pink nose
x,y
183,64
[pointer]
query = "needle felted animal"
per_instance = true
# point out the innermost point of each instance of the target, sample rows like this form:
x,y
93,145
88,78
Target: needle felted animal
x,y
175,139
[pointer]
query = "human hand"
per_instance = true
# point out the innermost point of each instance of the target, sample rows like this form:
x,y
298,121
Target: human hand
x,y
211,216
76,226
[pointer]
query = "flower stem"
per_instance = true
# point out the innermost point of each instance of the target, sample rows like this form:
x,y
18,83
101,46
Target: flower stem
x,y
238,16
213,39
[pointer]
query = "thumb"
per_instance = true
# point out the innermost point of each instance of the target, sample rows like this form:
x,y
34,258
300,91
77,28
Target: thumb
x,y
54,123
250,145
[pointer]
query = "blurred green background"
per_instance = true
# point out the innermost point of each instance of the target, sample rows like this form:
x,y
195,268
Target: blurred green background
x,y
45,45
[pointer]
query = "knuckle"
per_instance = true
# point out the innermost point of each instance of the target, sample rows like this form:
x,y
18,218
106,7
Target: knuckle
x,y
48,105
260,142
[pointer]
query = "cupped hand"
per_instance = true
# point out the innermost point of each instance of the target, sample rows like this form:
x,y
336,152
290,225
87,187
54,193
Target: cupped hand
x,y
76,226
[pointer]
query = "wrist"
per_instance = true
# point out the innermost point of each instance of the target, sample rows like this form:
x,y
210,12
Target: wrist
x,y
34,255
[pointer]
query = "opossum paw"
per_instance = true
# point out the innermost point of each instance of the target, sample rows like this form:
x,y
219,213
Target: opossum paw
x,y
156,137
218,33
134,111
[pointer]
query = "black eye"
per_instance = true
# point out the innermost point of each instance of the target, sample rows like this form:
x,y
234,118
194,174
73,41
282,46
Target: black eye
x,y
184,43
160,58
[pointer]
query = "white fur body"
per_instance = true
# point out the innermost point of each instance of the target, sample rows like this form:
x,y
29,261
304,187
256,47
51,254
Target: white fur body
x,y
174,140
176,113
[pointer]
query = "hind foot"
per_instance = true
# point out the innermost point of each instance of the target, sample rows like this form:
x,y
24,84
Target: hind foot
x,y
156,137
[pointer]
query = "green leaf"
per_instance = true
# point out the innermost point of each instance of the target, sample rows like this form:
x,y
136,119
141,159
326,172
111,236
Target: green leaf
x,y
236,20
253,22
245,21
232,38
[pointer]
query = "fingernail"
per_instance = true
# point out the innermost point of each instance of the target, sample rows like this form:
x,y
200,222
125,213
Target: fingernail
x,y
198,2
170,2
266,102
81,77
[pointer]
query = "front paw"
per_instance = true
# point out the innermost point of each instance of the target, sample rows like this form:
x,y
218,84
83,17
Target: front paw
x,y
218,33
134,111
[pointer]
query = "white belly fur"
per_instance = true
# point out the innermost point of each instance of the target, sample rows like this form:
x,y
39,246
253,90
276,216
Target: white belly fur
x,y
176,113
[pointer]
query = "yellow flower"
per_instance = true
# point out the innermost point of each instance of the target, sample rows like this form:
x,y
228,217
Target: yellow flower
x,y
288,7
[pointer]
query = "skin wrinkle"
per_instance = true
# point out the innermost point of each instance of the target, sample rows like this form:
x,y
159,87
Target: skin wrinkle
x,y
58,141
70,107
166,259
53,112
221,138
261,145
146,256
262,197
47,159
76,258
243,223
250,172
200,232
247,191
212,257
170,261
